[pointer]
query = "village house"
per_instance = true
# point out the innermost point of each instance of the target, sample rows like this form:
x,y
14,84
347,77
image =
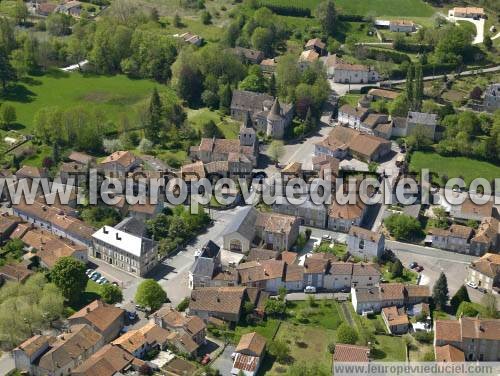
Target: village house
x,y
110,360
310,213
294,277
55,220
44,9
343,141
448,354
70,8
118,165
268,65
8,223
423,121
249,354
223,303
382,94
467,12
81,158
261,254
48,247
364,243
352,116
317,45
17,272
106,319
486,237
276,231
338,276
478,339
139,342
351,353
457,238
307,58
46,355
378,125
244,150
342,217
30,173
266,274
131,253
207,263
315,270
354,73
365,274
267,113
189,329
248,56
470,210
402,26
491,101
485,272
396,320
373,299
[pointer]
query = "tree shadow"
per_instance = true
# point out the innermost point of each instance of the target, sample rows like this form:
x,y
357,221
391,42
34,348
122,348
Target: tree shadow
x,y
56,73
378,354
29,80
17,93
16,127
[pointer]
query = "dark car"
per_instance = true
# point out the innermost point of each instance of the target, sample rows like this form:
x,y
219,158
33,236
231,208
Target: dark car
x,y
131,315
419,268
413,265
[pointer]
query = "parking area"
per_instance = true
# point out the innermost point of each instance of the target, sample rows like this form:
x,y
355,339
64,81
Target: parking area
x,y
224,363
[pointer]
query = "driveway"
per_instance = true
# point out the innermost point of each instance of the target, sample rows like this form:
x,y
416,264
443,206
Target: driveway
x,y
6,363
224,363
173,272
479,38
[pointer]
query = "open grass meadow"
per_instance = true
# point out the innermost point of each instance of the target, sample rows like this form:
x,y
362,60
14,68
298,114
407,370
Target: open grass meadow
x,y
454,167
113,95
401,8
197,118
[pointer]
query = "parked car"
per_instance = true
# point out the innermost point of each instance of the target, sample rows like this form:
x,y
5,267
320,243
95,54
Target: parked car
x,y
115,283
481,290
472,285
140,308
95,276
413,265
102,281
326,237
419,268
89,272
131,315
205,360
310,290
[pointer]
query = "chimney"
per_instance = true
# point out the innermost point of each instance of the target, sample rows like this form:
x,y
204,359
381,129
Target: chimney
x,y
88,309
118,237
105,230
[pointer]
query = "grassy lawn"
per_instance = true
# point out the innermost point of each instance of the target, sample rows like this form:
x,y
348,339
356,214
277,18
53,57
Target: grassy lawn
x,y
323,313
453,167
307,344
91,293
402,8
228,127
389,349
351,99
337,249
113,95
409,276
210,33
266,328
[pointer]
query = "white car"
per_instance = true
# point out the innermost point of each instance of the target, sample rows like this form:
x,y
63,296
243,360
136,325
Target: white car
x,y
326,237
472,285
310,290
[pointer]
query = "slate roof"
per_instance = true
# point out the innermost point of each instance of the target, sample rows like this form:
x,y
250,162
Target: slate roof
x,y
249,101
422,118
243,222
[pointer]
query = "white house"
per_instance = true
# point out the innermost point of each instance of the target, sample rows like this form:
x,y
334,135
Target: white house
x,y
365,243
354,74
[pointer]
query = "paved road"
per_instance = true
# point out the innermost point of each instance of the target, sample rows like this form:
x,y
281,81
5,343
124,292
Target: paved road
x,y
6,363
451,75
479,24
224,363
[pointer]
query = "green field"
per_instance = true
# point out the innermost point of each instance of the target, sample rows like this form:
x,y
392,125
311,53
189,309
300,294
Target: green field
x,y
453,167
402,8
113,95
228,127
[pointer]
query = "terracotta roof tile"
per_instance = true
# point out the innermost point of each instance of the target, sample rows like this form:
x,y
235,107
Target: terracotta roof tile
x,y
351,353
252,344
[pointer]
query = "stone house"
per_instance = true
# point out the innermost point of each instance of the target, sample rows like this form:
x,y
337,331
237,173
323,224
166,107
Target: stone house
x,y
491,101
267,274
106,319
467,12
365,275
58,356
118,165
486,237
402,26
342,217
365,243
223,303
354,73
457,238
131,253
248,56
373,299
267,113
139,342
478,339
352,116
395,319
421,120
310,213
249,354
485,272
110,360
